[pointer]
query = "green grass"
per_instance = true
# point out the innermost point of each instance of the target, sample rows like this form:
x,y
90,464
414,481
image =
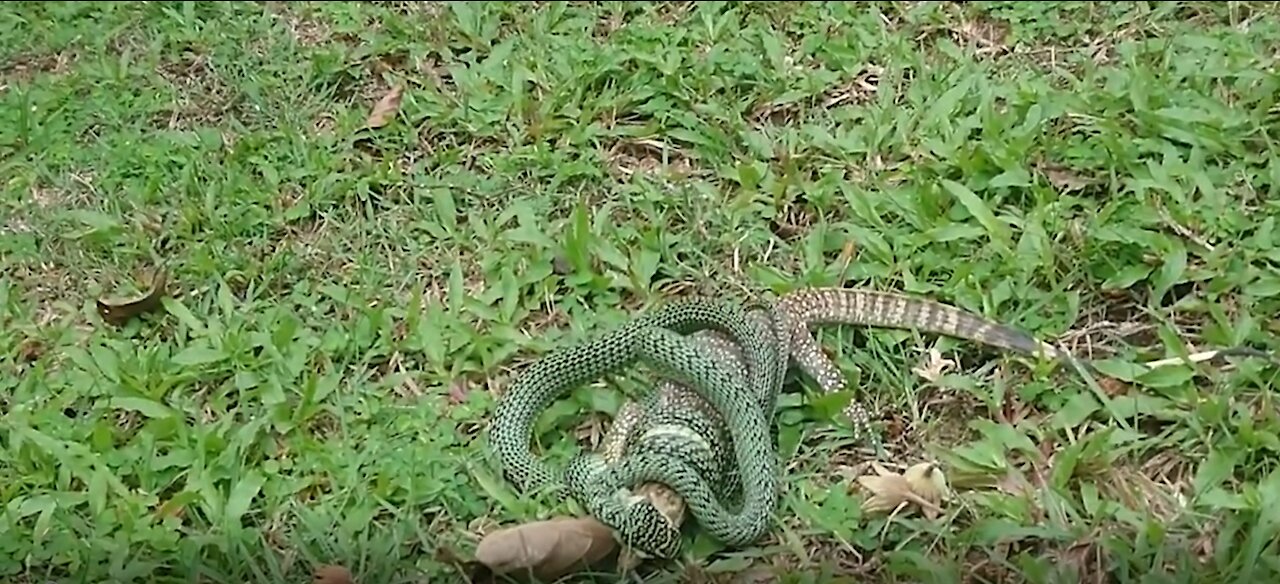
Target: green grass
x,y
347,303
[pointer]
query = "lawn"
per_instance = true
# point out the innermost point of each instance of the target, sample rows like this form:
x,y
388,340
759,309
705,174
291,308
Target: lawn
x,y
373,216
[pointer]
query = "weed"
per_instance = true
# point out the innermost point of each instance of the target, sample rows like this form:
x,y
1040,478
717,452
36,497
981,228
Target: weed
x,y
346,302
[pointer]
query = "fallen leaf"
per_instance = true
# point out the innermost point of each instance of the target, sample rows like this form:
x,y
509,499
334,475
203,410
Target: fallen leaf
x,y
590,432
1113,387
546,550
386,108
755,575
934,367
847,253
118,312
561,265
891,491
30,350
1064,178
1015,483
171,508
332,575
1013,410
458,391
927,481
888,492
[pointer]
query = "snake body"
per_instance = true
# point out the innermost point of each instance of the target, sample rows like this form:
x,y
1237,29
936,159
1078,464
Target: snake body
x,y
674,442
657,339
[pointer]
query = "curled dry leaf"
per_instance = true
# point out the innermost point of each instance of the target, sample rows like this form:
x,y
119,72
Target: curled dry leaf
x,y
30,349
331,575
934,367
1113,387
1064,178
458,389
386,108
922,485
1015,483
927,481
546,550
119,311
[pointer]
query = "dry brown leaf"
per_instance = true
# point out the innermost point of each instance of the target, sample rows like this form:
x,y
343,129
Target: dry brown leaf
x,y
118,312
332,575
927,481
888,492
386,108
891,491
847,253
546,550
755,575
1113,387
458,391
30,349
1015,483
934,367
1014,410
1065,179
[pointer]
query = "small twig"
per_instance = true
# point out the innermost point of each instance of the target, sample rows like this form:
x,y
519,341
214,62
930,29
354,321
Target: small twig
x,y
1192,358
1182,230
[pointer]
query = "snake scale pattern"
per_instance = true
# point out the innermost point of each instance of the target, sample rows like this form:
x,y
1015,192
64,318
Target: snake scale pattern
x,y
674,442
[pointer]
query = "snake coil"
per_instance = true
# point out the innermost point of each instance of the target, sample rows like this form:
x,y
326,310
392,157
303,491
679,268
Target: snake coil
x,y
657,339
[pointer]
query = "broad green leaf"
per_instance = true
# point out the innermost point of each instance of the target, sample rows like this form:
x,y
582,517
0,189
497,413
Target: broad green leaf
x,y
1127,276
457,289
497,491
149,408
1213,470
1011,178
1265,286
97,491
241,497
828,405
184,315
1171,272
999,232
196,355
1122,370
983,454
1167,376
1076,411
446,210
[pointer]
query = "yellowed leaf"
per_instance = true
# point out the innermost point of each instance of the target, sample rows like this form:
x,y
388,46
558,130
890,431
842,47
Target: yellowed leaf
x,y
934,367
1064,178
890,491
386,108
887,492
546,550
927,480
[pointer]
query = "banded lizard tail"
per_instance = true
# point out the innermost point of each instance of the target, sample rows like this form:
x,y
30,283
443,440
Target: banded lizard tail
x,y
675,420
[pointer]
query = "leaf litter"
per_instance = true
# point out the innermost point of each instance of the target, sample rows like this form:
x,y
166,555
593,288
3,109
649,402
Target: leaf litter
x,y
120,311
332,574
922,485
385,110
546,550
